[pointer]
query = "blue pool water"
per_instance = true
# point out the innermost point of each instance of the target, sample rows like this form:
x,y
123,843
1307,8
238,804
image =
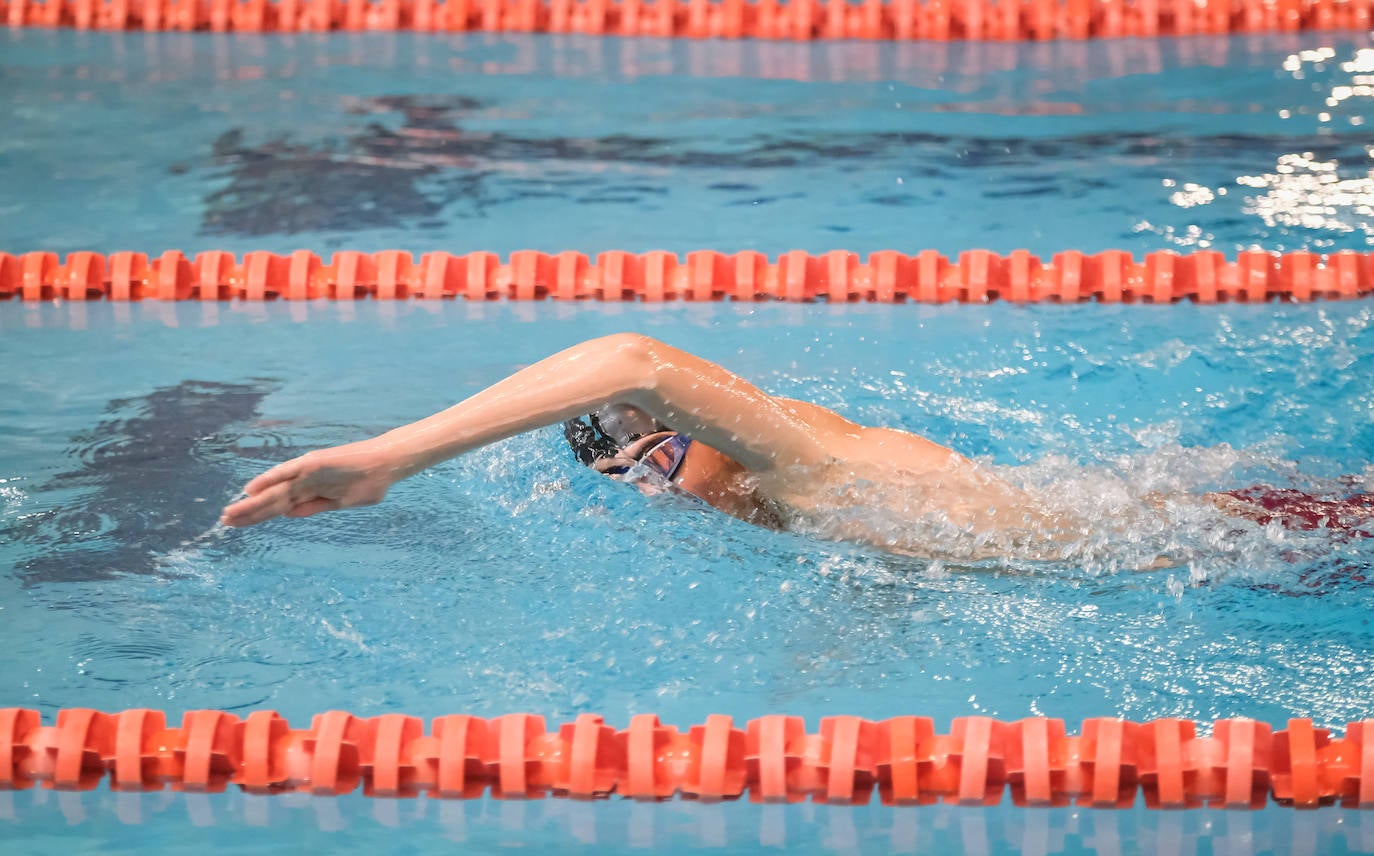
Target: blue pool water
x,y
513,579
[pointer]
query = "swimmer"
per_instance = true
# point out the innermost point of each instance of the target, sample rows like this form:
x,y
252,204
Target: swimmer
x,y
643,411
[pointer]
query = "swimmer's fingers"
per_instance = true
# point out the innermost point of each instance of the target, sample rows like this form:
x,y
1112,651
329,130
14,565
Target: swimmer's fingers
x,y
268,503
278,474
323,480
314,506
273,503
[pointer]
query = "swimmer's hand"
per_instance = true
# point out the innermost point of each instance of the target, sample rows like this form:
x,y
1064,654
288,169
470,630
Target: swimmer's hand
x,y
347,476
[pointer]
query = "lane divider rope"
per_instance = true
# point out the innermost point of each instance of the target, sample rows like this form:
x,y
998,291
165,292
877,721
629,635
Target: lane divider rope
x,y
975,276
942,20
1110,763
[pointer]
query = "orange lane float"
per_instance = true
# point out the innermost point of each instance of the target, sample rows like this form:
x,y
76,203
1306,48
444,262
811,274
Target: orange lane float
x,y
1110,763
940,20
974,276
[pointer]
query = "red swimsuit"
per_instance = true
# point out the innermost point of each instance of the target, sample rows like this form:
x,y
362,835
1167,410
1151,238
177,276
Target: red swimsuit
x,y
1298,510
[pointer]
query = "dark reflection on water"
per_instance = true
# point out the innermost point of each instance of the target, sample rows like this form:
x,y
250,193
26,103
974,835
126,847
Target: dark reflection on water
x,y
150,479
504,141
387,176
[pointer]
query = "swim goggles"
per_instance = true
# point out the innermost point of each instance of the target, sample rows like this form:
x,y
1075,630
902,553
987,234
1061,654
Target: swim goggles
x,y
663,458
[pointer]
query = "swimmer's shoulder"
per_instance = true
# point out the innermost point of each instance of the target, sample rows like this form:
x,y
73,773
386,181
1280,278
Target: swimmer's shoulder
x,y
822,418
852,441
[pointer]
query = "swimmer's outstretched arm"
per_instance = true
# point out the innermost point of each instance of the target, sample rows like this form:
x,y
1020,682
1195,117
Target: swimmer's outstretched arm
x,y
695,396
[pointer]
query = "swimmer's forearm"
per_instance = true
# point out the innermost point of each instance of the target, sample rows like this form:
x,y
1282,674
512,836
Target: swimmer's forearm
x,y
568,384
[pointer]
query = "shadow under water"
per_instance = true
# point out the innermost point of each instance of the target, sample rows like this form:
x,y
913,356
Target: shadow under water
x,y
152,478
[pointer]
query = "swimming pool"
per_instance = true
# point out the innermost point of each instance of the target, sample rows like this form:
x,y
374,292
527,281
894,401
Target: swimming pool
x,y
538,585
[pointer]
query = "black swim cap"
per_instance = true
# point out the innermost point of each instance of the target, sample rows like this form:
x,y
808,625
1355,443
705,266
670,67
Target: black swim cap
x,y
588,442
591,442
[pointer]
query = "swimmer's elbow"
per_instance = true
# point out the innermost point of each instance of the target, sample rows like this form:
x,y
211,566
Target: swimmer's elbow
x,y
627,346
633,358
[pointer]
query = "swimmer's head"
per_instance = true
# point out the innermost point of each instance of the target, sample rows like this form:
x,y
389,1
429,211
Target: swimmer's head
x,y
604,433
